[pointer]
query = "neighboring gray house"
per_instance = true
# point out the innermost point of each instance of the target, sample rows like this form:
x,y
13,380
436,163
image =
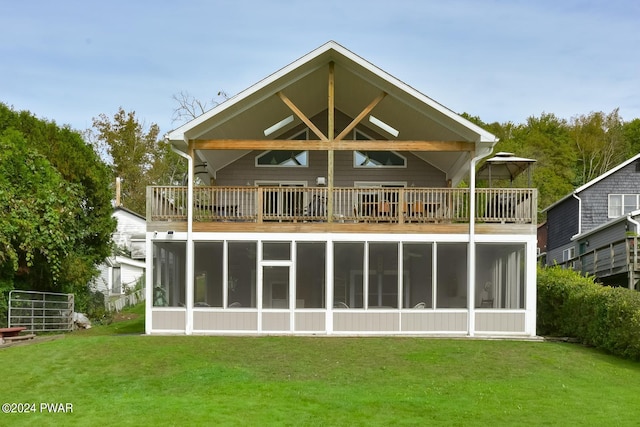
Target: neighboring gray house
x,y
594,229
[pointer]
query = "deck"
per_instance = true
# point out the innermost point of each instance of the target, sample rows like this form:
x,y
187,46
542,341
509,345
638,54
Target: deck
x,y
247,208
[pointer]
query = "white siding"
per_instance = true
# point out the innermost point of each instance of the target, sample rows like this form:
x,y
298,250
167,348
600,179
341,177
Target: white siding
x,y
128,225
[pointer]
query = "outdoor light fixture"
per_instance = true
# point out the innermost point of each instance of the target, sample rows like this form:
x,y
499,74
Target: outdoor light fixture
x,y
385,127
282,123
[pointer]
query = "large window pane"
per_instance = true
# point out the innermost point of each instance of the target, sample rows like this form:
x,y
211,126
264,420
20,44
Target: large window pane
x,y
276,250
279,158
615,205
169,281
383,275
500,275
451,285
348,261
377,159
417,285
207,281
630,203
242,274
310,275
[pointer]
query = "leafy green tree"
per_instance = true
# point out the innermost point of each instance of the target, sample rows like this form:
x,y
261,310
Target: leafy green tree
x,y
39,211
55,202
631,132
167,168
132,151
600,143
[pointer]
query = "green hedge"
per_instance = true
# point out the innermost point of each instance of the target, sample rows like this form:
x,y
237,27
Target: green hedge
x,y
570,305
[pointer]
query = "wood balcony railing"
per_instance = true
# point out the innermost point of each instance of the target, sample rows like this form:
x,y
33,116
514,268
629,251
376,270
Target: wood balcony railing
x,y
296,204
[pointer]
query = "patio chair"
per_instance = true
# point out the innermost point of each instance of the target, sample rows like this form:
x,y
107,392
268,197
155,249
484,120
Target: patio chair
x,y
417,210
384,210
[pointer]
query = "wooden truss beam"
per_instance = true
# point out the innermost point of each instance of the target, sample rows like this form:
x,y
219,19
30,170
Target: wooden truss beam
x,y
361,116
302,116
346,145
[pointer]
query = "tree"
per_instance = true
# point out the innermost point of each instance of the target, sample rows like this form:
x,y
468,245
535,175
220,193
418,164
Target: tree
x,y
55,202
168,168
189,107
39,209
133,151
600,143
631,132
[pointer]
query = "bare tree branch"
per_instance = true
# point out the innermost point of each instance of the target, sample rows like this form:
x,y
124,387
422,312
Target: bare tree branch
x,y
189,107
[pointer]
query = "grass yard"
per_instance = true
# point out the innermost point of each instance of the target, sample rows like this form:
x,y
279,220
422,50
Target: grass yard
x,y
112,378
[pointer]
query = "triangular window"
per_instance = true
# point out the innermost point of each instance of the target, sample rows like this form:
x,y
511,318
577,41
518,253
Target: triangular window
x,y
376,159
285,158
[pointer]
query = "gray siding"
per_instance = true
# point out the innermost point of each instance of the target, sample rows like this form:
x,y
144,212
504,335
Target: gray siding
x,y
500,322
168,320
434,322
595,199
225,321
278,321
555,255
562,224
418,172
310,322
605,236
365,322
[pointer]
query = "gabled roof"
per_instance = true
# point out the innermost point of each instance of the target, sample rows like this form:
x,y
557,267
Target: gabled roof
x,y
594,181
357,83
129,212
633,215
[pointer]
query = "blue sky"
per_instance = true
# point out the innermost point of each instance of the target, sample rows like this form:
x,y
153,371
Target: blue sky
x,y
70,61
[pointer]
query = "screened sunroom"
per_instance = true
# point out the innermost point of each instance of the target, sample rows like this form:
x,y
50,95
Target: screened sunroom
x,y
333,199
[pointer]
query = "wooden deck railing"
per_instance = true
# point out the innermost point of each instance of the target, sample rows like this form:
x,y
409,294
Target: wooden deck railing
x,y
263,204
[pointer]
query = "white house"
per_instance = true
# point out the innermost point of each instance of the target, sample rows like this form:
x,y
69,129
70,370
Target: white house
x,y
127,265
335,209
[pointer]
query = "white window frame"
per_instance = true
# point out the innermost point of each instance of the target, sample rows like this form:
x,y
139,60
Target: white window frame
x,y
304,135
568,254
620,206
357,166
402,166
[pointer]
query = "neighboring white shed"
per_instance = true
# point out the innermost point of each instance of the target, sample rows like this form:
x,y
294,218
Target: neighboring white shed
x,y
118,274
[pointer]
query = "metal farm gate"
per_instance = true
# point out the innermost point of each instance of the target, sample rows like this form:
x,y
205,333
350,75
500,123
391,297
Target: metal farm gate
x,y
41,311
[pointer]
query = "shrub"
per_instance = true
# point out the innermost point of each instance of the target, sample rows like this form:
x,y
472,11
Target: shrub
x,y
575,306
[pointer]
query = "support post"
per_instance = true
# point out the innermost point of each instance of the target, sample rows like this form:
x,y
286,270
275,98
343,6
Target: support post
x,y
330,131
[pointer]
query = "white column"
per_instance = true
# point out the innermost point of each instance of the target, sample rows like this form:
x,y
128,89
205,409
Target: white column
x,y
149,283
189,250
531,286
329,288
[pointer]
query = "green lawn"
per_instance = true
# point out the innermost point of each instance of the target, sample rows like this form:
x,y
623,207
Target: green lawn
x,y
113,378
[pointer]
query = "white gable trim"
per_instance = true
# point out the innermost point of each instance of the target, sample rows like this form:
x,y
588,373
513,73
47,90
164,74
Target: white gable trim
x,y
179,134
594,181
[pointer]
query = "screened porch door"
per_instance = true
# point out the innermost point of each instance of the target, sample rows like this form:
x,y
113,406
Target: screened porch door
x,y
276,282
